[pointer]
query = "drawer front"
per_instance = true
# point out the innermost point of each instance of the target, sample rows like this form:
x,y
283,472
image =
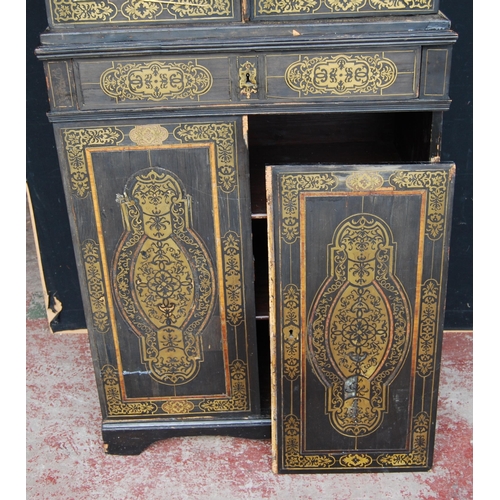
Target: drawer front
x,y
245,82
328,9
205,81
149,82
102,13
343,75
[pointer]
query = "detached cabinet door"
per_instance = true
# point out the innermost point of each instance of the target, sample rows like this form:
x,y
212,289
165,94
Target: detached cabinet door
x,y
358,266
161,216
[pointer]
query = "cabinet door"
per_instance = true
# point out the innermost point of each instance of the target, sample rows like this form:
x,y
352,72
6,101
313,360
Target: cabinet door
x,y
358,266
160,216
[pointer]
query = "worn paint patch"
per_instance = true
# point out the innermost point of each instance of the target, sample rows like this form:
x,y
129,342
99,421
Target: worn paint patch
x,y
36,308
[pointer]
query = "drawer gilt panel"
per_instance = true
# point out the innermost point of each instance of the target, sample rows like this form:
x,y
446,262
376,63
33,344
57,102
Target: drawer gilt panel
x,y
149,82
156,81
353,75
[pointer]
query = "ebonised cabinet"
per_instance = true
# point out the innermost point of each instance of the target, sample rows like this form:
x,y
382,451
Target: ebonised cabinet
x,y
166,115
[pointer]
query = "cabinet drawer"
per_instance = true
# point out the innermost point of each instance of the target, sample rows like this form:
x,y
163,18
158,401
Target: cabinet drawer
x,y
370,74
328,9
102,13
68,14
248,81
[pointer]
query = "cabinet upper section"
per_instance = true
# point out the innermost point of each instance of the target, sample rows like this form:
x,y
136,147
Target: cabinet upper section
x,y
70,13
380,63
401,76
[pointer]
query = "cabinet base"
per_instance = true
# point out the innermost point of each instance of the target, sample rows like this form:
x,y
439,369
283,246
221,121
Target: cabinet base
x,y
132,438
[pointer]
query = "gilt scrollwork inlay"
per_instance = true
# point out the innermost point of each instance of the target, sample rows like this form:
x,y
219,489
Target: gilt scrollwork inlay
x,y
356,460
163,277
436,185
75,142
343,74
177,406
396,4
222,134
359,332
148,135
291,331
95,285
364,181
199,8
290,187
141,10
431,292
112,393
341,6
294,459
156,81
231,255
239,400
84,11
419,446
127,11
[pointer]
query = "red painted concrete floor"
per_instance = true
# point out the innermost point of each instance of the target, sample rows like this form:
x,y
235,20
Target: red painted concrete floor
x,y
65,458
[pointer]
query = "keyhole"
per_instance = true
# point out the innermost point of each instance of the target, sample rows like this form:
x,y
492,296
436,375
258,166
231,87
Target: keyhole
x,y
247,83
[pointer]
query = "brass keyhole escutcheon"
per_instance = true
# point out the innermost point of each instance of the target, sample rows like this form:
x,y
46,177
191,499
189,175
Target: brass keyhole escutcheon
x,y
248,79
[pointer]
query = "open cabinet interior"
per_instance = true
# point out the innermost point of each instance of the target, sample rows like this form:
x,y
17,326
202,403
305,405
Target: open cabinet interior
x,y
336,138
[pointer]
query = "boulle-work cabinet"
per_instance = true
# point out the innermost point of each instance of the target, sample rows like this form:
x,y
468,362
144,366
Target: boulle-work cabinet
x,y
260,219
